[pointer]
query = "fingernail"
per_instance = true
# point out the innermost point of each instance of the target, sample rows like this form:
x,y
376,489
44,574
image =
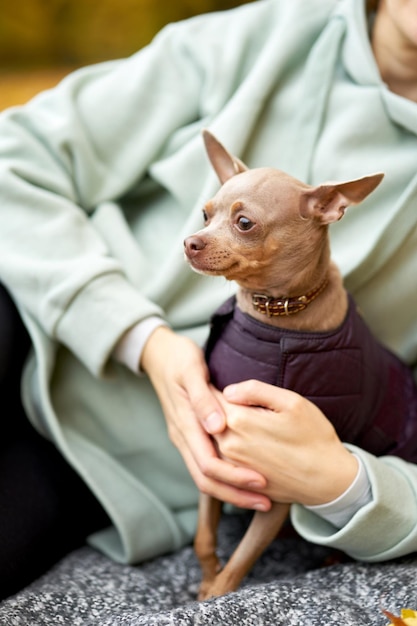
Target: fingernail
x,y
229,391
255,484
259,506
213,422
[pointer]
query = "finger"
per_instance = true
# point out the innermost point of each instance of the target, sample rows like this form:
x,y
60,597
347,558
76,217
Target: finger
x,y
257,393
226,492
206,407
196,445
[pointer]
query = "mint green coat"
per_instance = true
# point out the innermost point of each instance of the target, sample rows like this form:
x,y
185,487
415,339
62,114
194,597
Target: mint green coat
x,y
102,178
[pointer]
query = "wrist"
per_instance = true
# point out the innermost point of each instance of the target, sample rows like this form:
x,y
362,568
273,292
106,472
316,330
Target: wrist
x,y
341,510
335,478
130,347
154,347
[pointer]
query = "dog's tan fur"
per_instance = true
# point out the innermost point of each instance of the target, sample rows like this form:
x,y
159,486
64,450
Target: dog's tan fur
x,y
268,232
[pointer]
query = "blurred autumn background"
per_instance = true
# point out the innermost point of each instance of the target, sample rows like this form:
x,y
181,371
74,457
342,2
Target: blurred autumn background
x,y
42,40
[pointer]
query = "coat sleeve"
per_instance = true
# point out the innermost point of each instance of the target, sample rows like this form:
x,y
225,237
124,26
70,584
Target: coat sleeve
x,y
87,141
385,528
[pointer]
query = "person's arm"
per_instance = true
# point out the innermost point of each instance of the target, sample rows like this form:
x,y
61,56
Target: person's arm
x,y
89,139
296,448
385,527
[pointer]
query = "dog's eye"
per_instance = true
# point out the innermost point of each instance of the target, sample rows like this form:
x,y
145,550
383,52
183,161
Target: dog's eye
x,y
205,216
244,223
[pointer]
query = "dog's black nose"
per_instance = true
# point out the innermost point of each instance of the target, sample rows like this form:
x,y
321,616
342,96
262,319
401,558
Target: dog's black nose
x,y
193,245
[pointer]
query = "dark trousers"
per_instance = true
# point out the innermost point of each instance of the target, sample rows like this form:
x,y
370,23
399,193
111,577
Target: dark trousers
x,y
45,508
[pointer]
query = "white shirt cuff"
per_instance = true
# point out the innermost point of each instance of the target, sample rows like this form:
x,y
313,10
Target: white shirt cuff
x,y
341,510
129,348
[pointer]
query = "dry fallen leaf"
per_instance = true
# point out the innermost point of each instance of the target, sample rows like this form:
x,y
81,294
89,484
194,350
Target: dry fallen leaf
x,y
408,618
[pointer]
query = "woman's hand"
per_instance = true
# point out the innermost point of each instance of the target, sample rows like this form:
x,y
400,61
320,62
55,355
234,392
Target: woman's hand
x,y
178,372
288,440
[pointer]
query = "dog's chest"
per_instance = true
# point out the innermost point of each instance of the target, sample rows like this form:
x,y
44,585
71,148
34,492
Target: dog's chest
x,y
240,348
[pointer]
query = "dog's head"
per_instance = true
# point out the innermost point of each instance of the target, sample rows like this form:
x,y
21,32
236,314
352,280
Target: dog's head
x,y
263,221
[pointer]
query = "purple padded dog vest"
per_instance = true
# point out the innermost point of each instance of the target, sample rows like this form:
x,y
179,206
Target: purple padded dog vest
x,y
368,394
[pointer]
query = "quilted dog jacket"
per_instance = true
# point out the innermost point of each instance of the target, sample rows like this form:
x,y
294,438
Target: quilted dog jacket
x,y
367,392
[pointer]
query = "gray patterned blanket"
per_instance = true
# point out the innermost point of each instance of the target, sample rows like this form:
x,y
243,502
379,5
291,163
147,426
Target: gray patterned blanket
x,y
294,583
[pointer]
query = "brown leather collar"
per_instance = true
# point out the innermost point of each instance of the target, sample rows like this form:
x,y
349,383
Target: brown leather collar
x,y
272,307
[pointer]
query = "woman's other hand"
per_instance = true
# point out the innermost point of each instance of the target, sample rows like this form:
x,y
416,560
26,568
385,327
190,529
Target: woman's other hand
x,y
288,440
179,374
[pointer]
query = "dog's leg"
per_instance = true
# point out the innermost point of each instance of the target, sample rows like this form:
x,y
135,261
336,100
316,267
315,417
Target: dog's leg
x,y
205,542
262,530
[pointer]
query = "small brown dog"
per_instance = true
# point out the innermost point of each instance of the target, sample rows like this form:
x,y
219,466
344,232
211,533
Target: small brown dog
x,y
269,232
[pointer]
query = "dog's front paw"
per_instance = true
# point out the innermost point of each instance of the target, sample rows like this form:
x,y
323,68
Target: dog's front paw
x,y
204,591
207,586
214,588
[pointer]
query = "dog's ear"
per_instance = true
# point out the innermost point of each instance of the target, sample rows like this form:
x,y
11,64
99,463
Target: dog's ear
x,y
327,203
224,164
